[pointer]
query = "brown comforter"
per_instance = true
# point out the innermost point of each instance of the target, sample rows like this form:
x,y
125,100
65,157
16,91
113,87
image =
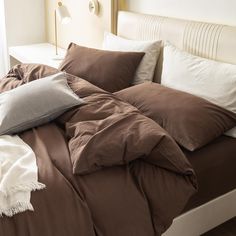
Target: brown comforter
x,y
109,170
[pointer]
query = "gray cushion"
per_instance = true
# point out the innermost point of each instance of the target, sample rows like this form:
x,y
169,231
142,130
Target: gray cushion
x,y
35,103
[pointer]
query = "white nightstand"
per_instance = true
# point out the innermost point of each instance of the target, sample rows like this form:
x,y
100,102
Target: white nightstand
x,y
43,53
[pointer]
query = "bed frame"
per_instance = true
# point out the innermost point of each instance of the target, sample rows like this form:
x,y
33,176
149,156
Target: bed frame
x,y
212,41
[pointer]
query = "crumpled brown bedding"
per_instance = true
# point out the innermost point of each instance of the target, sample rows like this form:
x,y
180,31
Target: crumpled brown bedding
x,y
109,170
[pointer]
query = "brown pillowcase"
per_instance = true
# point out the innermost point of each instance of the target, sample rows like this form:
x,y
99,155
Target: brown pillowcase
x,y
192,121
111,71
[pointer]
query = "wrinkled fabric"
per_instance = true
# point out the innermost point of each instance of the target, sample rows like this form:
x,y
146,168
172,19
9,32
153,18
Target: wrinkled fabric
x,y
138,197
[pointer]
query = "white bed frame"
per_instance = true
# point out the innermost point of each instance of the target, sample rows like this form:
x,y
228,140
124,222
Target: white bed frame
x,y
212,41
205,217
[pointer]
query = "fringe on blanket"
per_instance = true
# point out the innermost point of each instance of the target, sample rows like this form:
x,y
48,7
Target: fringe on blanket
x,y
24,187
20,206
16,208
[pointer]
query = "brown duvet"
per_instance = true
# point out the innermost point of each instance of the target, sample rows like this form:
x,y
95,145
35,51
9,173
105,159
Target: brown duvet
x,y
109,170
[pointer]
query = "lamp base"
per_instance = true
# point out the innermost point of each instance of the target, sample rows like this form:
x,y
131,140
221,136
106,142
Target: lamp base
x,y
58,57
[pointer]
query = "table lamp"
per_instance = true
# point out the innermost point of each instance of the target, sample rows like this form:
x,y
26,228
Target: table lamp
x,y
62,13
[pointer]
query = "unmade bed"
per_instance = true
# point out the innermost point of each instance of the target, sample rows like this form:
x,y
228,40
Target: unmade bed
x,y
118,163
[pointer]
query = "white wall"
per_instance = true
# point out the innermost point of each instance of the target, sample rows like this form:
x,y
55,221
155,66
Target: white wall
x,y
3,45
25,21
215,11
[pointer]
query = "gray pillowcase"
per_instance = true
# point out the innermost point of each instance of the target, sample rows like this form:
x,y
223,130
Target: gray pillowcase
x,y
36,103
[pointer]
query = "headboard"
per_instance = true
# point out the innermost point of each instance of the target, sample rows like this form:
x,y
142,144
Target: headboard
x,y
212,41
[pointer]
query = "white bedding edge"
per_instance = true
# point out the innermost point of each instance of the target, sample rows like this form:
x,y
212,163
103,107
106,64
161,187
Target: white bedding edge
x,y
18,175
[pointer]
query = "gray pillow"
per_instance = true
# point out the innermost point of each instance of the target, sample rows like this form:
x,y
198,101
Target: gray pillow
x,y
35,103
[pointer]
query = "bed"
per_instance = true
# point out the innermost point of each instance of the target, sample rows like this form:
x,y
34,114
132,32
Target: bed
x,y
103,181
215,201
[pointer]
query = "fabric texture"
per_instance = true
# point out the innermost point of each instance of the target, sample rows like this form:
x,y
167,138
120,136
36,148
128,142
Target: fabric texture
x,y
35,103
118,131
146,69
192,121
113,200
111,71
215,167
18,175
211,80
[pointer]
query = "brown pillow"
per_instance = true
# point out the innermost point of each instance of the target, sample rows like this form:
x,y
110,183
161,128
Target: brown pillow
x,y
111,71
191,121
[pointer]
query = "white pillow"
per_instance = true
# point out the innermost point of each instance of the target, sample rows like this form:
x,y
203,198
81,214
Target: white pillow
x,y
211,80
146,69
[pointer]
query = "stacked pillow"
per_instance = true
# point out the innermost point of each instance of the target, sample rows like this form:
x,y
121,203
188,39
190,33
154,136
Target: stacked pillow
x,y
146,69
111,71
208,79
196,102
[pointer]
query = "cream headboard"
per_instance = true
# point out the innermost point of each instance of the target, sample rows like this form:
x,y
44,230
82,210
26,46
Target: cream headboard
x,y
212,41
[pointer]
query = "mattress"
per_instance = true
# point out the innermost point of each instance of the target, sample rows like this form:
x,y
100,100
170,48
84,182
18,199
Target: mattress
x,y
215,167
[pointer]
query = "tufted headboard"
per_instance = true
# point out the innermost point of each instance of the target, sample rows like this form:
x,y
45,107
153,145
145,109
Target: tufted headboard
x,y
212,41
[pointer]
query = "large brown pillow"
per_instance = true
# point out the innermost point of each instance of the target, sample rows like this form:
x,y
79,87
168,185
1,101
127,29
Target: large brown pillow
x,y
191,121
111,71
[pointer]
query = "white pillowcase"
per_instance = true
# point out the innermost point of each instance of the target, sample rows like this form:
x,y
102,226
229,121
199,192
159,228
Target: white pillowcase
x,y
146,69
211,80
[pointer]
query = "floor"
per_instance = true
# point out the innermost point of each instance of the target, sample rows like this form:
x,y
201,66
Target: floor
x,y
226,229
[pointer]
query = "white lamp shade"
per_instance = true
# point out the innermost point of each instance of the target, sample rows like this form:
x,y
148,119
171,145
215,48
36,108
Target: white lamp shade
x,y
63,14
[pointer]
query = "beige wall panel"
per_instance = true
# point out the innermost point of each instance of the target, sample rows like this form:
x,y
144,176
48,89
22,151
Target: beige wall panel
x,y
25,22
85,29
215,11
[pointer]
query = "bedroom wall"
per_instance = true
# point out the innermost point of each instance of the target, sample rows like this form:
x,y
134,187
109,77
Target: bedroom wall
x,y
215,11
25,22
84,28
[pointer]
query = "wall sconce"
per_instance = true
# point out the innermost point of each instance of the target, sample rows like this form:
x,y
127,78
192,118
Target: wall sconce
x,y
94,7
62,13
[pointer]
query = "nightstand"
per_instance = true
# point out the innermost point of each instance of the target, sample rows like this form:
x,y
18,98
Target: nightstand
x,y
43,53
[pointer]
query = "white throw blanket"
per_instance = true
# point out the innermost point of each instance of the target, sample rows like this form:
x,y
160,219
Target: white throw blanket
x,y
18,175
